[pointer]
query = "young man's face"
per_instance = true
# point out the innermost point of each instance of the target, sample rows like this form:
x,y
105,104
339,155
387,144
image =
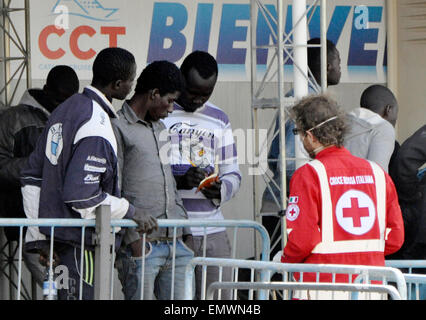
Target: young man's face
x,y
333,71
162,105
197,90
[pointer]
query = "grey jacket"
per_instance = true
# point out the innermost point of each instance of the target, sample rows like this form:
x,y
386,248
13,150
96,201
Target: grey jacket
x,y
146,181
370,137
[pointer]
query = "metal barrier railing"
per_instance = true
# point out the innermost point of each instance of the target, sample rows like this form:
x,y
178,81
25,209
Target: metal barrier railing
x,y
52,223
105,242
343,287
266,269
415,282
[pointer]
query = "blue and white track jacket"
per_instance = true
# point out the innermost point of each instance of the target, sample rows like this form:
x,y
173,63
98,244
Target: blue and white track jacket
x,y
73,169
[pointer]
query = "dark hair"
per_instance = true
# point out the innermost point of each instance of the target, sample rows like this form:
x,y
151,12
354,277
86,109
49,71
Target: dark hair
x,y
202,61
112,64
63,78
316,109
162,75
314,53
376,97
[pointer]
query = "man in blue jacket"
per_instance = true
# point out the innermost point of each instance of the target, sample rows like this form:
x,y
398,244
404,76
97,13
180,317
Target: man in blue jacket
x,y
73,169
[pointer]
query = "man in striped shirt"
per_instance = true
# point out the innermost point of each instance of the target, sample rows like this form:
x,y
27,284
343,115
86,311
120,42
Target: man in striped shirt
x,y
202,140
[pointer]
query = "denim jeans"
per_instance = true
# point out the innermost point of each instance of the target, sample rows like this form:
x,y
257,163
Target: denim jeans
x,y
158,271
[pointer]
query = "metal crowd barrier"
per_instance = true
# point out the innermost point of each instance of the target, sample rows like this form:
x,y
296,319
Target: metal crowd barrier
x,y
416,283
341,287
52,223
364,274
235,224
105,244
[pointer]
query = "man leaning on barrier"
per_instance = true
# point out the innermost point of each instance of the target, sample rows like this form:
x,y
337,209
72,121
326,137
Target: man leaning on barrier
x,y
342,209
73,169
148,183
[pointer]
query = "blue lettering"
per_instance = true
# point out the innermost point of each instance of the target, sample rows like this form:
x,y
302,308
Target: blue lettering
x,y
315,23
335,28
203,27
229,33
264,33
161,30
358,56
288,28
168,42
337,23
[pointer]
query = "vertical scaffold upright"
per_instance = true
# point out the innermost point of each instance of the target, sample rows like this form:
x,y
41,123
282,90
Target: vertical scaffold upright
x,y
14,63
282,48
15,49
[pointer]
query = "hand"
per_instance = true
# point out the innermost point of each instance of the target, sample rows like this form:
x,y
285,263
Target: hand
x,y
188,240
213,192
146,223
191,179
44,258
136,248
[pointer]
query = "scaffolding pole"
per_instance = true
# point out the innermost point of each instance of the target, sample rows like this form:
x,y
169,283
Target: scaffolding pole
x,y
11,42
291,46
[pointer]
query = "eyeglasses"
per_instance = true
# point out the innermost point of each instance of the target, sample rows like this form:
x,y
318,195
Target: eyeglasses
x,y
296,131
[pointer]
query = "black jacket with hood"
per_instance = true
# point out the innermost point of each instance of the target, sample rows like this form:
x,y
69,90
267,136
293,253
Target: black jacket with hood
x,y
411,188
20,127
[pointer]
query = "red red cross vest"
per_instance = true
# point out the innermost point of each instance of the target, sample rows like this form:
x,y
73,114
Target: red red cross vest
x,y
341,211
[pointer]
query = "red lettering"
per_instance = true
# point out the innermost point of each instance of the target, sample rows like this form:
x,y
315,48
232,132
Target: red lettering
x,y
42,42
113,33
75,49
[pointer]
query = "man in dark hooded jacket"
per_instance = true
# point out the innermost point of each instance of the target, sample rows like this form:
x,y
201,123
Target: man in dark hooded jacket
x,y
20,127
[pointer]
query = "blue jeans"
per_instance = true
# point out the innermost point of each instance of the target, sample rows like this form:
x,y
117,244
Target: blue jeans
x,y
158,271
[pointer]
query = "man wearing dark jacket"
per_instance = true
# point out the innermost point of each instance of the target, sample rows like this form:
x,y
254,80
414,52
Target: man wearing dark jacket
x,y
409,177
410,183
20,126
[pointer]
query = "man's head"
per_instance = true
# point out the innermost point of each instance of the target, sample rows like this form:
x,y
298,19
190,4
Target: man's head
x,y
114,70
200,71
319,122
382,101
61,83
162,82
333,61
